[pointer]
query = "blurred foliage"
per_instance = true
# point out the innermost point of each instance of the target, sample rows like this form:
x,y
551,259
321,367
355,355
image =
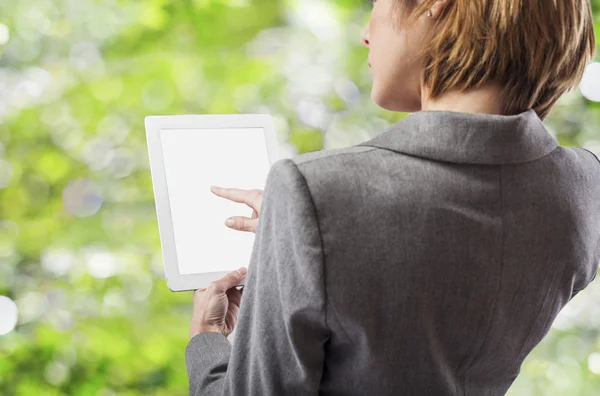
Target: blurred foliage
x,y
79,245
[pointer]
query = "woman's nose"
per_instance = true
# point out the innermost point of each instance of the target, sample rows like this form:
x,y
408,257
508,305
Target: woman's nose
x,y
364,37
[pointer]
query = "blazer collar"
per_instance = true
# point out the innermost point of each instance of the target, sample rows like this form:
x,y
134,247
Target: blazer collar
x,y
471,138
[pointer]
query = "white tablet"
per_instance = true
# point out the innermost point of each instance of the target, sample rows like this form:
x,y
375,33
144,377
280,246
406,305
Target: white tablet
x,y
188,154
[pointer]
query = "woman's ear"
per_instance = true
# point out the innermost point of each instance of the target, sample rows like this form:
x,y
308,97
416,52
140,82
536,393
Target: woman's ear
x,y
438,7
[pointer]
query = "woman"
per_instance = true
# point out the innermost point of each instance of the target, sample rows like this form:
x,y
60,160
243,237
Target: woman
x,y
431,259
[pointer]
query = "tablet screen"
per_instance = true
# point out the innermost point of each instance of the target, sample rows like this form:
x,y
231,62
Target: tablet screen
x,y
195,159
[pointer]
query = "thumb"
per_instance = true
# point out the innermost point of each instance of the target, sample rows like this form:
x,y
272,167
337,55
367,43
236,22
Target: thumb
x,y
241,223
230,280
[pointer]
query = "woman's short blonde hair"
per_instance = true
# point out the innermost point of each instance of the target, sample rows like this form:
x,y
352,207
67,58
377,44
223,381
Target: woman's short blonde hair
x,y
536,49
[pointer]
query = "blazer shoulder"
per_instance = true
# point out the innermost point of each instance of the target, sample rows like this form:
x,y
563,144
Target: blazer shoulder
x,y
323,170
321,165
328,155
590,154
589,163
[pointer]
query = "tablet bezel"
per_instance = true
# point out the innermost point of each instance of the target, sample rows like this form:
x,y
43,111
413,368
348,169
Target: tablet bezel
x,y
154,124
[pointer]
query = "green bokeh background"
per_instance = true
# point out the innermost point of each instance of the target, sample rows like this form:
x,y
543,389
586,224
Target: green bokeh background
x,y
79,244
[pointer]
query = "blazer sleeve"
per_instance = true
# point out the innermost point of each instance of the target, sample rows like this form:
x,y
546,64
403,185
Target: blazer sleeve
x,y
279,340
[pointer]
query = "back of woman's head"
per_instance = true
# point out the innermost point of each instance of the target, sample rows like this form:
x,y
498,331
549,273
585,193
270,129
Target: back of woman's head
x,y
536,49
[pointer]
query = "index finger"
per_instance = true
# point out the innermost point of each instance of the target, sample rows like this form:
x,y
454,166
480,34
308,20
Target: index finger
x,y
233,194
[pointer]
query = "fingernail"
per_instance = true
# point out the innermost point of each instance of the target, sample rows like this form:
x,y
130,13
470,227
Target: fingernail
x,y
243,271
229,223
213,187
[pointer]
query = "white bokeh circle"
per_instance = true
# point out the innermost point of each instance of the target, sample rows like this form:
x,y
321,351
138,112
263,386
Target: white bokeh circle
x,y
9,314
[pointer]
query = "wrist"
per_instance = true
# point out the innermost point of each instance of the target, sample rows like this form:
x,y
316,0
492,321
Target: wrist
x,y
204,329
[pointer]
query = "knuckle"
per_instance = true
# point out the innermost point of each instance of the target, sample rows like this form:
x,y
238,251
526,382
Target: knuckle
x,y
212,286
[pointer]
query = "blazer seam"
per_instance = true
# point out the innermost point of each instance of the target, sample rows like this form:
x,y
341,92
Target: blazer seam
x,y
312,202
495,303
418,156
329,308
548,317
331,155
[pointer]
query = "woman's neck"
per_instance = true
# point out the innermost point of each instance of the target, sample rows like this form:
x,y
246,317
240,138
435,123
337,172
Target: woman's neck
x,y
484,99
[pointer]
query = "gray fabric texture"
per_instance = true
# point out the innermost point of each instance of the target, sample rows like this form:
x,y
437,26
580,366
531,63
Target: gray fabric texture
x,y
428,260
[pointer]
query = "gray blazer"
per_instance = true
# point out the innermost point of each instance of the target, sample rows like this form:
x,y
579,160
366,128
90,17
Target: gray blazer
x,y
429,260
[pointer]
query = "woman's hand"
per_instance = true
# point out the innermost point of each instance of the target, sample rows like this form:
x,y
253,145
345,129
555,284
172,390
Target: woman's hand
x,y
252,198
216,307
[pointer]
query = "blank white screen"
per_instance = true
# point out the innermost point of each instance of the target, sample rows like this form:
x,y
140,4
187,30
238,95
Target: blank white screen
x,y
194,159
